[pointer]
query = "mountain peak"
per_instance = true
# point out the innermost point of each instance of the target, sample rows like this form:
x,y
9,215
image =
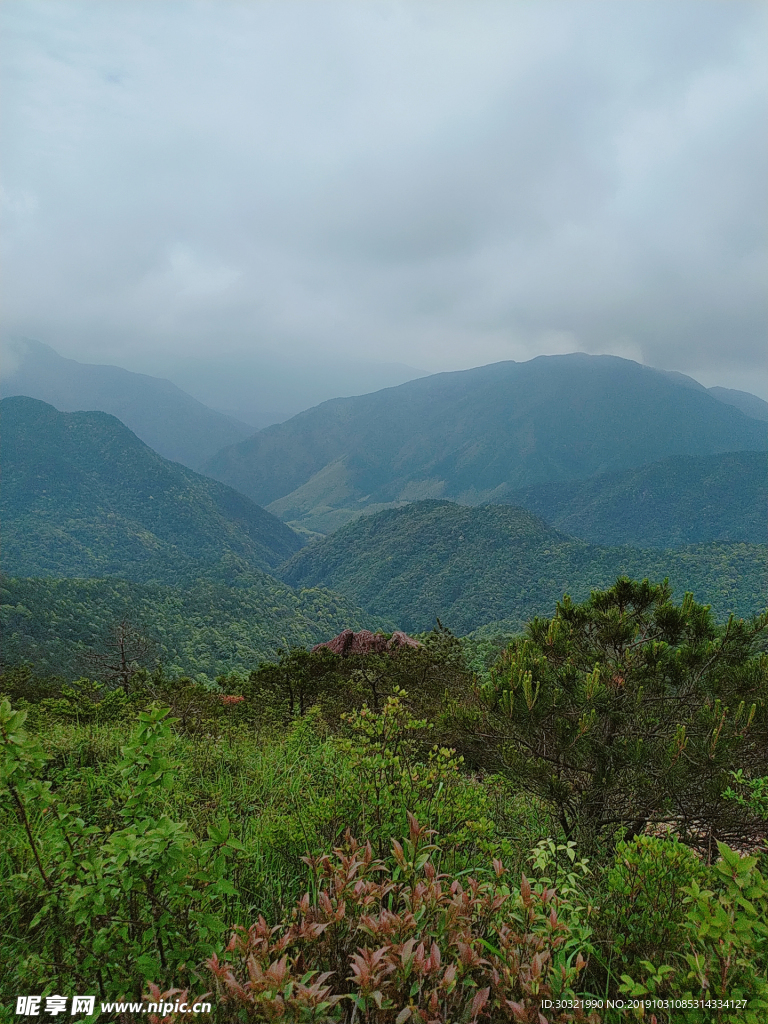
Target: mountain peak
x,y
476,435
83,496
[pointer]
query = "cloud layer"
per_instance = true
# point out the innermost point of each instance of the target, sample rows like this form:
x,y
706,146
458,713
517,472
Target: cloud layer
x,y
438,184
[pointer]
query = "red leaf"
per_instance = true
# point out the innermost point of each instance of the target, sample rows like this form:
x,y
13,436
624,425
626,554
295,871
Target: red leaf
x,y
525,890
481,998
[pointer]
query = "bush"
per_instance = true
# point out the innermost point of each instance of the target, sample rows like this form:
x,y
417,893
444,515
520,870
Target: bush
x,y
727,949
646,911
395,771
396,942
629,710
303,679
109,904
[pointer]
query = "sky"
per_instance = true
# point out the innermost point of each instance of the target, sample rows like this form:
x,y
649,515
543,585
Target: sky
x,y
429,185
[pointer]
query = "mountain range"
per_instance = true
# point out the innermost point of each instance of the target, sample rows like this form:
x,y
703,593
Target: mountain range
x,y
480,435
186,559
682,500
567,471
170,421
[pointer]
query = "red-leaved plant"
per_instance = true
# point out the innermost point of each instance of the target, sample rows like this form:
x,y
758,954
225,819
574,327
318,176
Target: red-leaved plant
x,y
390,945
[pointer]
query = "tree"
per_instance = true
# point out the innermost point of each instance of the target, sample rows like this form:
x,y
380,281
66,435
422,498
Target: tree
x,y
125,650
340,682
628,710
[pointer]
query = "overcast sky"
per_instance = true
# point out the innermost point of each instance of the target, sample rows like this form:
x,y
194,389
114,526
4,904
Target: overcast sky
x,y
438,184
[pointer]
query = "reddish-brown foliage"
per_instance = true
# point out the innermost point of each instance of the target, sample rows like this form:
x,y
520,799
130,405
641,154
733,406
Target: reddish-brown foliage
x,y
365,642
386,946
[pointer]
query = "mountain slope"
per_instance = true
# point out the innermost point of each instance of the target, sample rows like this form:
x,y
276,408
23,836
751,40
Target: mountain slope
x,y
474,565
83,496
750,405
682,500
208,628
162,415
477,435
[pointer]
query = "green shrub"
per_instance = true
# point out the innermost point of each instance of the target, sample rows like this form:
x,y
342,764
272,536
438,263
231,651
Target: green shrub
x,y
107,904
394,772
727,949
628,710
751,793
646,912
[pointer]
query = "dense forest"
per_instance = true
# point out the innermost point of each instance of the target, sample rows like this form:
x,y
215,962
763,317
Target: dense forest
x,y
83,496
469,566
205,630
679,501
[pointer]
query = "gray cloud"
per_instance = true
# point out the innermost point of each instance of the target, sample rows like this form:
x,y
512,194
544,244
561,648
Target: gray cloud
x,y
438,184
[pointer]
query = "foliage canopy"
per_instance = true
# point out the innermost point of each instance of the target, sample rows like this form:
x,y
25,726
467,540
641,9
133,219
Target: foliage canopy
x,y
628,709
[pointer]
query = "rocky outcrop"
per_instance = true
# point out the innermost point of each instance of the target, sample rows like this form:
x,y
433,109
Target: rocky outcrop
x,y
348,642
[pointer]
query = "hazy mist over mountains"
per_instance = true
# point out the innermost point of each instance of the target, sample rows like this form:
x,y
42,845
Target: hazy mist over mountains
x,y
389,277
476,435
183,429
255,391
165,417
264,388
437,186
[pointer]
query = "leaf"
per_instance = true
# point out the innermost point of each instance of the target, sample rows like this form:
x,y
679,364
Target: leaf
x,y
525,890
481,998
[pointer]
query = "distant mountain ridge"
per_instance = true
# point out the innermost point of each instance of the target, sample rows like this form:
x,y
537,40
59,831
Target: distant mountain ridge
x,y
166,418
478,435
679,501
750,405
83,496
473,565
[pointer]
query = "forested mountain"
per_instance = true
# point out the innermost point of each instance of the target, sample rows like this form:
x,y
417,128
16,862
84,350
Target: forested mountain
x,y
753,406
478,435
67,627
83,496
474,565
162,415
678,501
